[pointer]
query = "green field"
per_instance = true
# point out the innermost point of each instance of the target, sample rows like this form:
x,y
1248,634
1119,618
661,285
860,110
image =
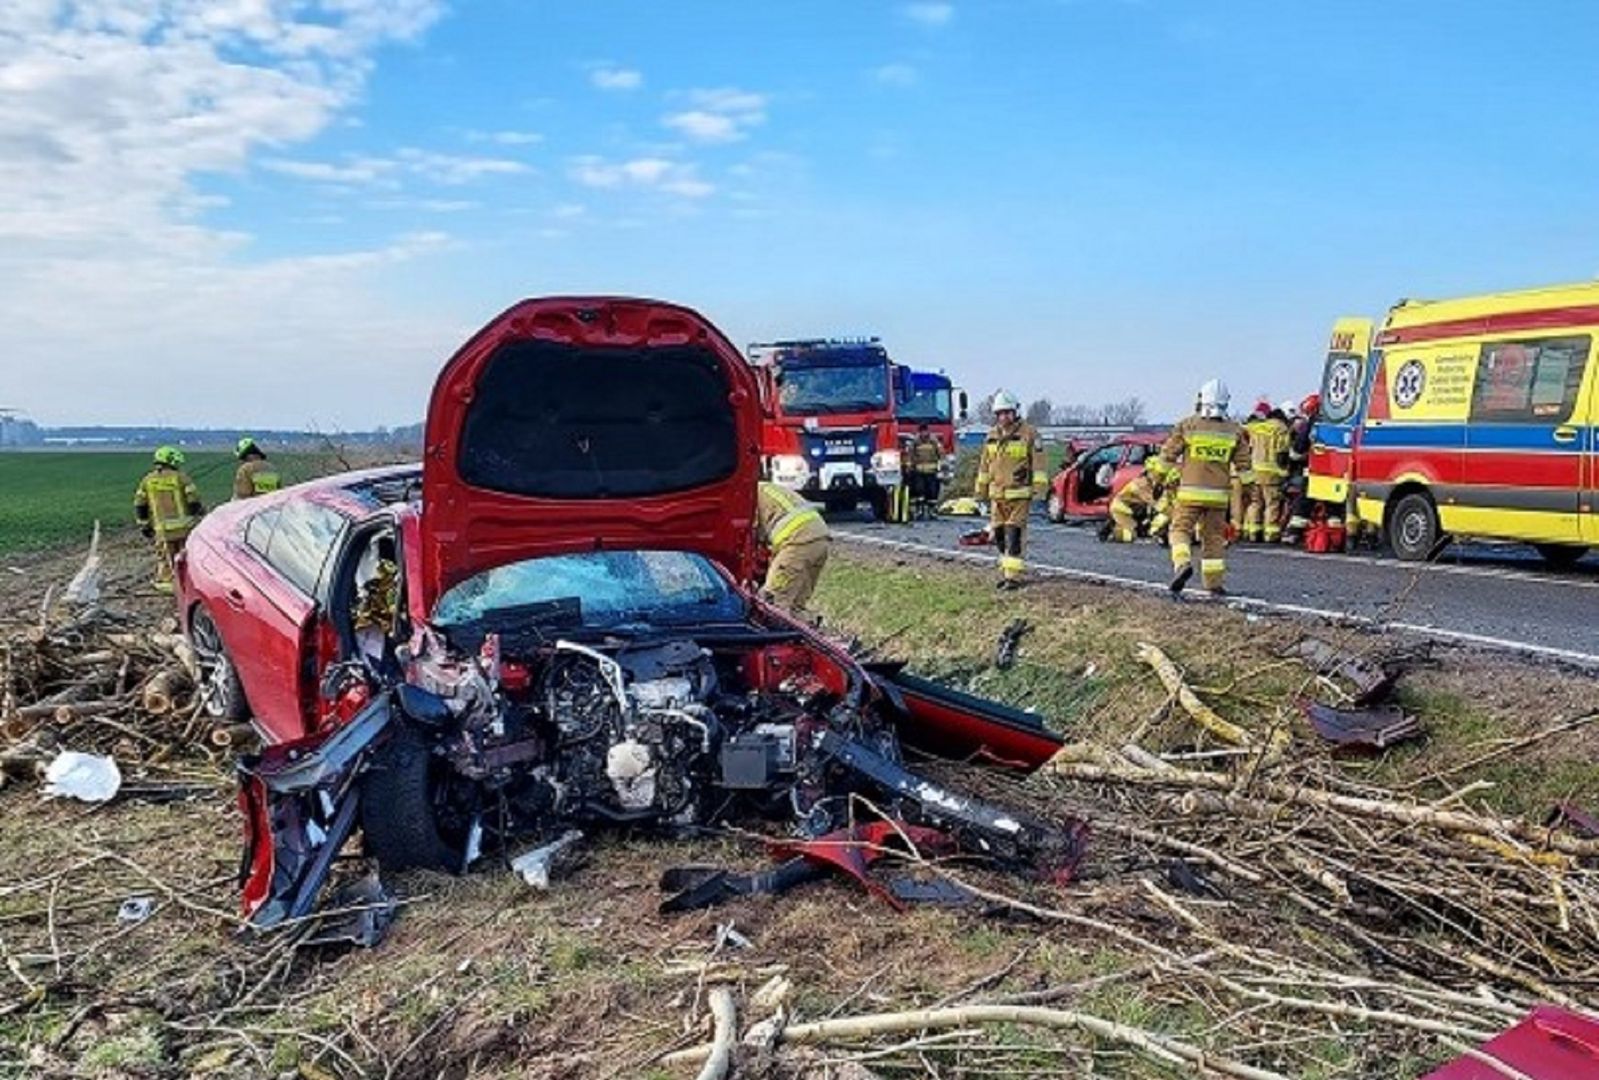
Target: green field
x,y
51,497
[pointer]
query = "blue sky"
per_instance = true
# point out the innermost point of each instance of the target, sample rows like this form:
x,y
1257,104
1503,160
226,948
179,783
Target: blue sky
x,y
296,211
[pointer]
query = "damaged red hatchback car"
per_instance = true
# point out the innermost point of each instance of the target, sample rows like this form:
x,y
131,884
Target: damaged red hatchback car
x,y
549,623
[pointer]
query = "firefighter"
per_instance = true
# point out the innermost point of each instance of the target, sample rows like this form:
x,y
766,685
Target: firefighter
x,y
255,475
926,457
1299,459
1010,474
793,530
166,505
1206,446
1142,496
1268,445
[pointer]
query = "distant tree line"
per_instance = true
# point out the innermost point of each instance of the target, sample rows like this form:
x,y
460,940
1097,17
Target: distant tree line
x,y
1041,412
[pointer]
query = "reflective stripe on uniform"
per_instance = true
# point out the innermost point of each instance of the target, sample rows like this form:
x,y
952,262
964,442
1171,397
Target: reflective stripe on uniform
x,y
1181,554
169,511
1200,496
1011,565
265,481
1212,566
792,522
1119,506
1017,493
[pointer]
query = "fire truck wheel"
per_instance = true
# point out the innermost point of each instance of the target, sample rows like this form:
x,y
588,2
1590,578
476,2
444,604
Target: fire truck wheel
x,y
1413,531
1561,555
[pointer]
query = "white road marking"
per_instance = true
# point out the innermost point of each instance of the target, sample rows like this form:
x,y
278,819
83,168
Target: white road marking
x,y
1441,633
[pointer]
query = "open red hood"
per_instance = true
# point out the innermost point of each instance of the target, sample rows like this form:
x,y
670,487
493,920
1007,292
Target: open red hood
x,y
575,424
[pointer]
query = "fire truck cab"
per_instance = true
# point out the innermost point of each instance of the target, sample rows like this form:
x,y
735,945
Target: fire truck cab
x,y
930,398
830,430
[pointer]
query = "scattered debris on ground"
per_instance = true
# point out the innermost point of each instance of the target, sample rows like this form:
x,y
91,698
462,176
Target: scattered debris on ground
x,y
1252,904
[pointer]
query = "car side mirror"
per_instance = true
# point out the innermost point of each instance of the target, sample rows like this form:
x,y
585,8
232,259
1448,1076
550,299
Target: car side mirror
x,y
961,406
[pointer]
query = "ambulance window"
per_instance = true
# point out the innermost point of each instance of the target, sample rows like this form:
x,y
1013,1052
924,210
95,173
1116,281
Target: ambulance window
x,y
1529,382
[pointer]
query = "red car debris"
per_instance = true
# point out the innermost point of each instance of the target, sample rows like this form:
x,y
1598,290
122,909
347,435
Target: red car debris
x,y
549,623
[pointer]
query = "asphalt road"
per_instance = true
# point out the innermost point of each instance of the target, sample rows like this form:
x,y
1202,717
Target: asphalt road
x,y
1495,596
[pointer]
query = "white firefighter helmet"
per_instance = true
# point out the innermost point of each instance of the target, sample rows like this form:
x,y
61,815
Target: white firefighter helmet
x,y
1003,401
1289,408
1214,399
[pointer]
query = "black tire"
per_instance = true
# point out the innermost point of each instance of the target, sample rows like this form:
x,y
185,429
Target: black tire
x,y
1413,532
400,798
221,691
1561,555
881,502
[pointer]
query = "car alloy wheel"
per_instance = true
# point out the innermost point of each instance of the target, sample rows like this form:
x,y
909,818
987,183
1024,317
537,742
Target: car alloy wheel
x,y
220,692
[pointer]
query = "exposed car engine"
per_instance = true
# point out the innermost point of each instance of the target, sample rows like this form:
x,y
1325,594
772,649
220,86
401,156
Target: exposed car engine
x,y
518,737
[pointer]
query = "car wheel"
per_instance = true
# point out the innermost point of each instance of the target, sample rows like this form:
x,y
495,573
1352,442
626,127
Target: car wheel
x,y
1054,508
1561,555
1413,532
220,691
412,814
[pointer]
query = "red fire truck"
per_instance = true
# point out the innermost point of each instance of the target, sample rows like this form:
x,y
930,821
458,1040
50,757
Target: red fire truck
x,y
829,431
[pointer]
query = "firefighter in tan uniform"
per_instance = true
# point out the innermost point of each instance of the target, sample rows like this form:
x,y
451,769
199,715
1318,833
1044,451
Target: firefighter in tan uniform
x,y
1268,448
793,530
1010,474
1144,493
926,458
166,504
255,475
1208,446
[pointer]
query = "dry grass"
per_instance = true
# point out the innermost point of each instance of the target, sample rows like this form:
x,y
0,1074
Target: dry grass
x,y
481,977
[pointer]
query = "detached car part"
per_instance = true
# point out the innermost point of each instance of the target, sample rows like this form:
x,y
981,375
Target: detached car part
x,y
1377,728
1550,1043
1369,679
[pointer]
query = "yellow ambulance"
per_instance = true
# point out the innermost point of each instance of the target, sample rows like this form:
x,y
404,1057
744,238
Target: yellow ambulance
x,y
1466,418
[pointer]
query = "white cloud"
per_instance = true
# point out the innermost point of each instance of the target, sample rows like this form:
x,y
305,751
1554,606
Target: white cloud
x,y
719,116
615,78
702,126
506,138
929,13
651,173
385,172
895,75
568,211
109,112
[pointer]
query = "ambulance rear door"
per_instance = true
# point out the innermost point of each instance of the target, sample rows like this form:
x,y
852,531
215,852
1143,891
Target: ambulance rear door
x,y
1343,384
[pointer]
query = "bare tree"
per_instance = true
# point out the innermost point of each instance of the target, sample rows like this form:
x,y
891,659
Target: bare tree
x,y
1039,412
983,411
1126,412
1070,415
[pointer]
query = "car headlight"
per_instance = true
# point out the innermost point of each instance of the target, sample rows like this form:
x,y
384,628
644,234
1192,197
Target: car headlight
x,y
790,468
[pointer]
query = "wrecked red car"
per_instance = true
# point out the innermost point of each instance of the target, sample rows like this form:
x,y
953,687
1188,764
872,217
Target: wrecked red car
x,y
1082,490
549,624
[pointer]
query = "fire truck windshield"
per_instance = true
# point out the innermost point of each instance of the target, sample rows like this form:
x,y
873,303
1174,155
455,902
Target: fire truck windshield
x,y
810,390
927,407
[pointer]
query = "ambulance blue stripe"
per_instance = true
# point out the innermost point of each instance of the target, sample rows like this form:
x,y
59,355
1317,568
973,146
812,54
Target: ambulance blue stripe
x,y
1531,437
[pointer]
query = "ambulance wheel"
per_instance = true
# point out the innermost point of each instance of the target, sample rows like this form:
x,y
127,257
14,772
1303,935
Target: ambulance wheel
x,y
1413,528
1561,555
1054,509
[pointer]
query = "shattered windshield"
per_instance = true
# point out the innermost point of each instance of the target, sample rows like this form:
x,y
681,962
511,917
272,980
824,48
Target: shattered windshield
x,y
612,588
810,389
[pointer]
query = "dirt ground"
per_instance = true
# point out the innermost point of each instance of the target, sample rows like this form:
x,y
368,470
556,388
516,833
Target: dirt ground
x,y
482,976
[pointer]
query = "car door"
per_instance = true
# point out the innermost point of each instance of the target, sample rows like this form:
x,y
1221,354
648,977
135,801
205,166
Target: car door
x,y
270,597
